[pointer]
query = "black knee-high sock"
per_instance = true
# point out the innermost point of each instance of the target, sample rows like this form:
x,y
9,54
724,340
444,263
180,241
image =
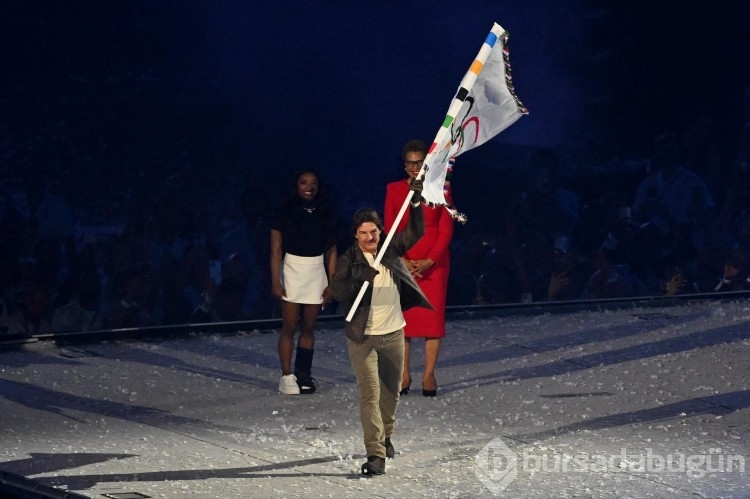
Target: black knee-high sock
x,y
303,362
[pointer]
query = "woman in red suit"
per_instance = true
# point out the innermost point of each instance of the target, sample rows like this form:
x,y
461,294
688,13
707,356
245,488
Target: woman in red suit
x,y
429,262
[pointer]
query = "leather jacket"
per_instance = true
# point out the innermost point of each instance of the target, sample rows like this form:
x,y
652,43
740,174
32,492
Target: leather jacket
x,y
347,280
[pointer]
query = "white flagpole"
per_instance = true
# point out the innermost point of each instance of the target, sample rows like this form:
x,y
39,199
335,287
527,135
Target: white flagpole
x,y
463,91
379,257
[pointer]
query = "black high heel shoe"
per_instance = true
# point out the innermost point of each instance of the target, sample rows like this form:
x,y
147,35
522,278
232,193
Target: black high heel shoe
x,y
404,391
430,393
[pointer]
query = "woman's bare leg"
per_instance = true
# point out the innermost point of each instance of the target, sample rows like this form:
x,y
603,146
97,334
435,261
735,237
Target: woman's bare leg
x,y
289,316
431,354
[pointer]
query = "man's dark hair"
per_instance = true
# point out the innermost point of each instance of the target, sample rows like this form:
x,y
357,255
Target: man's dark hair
x,y
366,215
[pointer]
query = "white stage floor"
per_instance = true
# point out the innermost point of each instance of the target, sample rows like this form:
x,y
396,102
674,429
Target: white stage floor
x,y
629,403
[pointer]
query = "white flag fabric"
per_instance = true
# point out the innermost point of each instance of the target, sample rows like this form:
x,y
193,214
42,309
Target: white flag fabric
x,y
485,105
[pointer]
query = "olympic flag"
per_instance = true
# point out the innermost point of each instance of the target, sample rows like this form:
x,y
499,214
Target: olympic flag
x,y
485,104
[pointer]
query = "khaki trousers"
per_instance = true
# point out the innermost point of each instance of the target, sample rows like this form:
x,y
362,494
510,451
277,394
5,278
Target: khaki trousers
x,y
378,364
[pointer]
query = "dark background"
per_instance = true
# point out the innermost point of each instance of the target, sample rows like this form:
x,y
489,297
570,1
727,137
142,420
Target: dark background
x,y
118,96
232,86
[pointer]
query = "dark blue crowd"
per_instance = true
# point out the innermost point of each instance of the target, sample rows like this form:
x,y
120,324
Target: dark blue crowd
x,y
77,258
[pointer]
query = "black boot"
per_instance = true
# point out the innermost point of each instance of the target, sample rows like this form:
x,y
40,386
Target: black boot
x,y
374,466
302,370
390,451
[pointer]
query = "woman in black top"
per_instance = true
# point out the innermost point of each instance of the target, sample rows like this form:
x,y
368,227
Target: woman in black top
x,y
303,260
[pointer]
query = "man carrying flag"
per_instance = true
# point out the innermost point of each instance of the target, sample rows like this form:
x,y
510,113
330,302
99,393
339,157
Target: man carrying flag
x,y
375,336
474,116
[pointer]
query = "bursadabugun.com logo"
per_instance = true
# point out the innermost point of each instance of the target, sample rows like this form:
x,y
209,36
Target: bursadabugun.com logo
x,y
497,465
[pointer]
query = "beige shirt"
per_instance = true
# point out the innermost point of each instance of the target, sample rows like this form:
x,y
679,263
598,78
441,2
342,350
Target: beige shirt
x,y
385,309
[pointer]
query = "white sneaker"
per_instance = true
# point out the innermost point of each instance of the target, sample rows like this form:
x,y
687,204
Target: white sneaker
x,y
288,385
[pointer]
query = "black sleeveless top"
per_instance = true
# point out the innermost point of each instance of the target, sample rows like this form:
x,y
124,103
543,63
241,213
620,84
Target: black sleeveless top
x,y
305,230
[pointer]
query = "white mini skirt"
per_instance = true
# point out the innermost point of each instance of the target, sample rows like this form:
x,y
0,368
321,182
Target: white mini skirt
x,y
304,279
